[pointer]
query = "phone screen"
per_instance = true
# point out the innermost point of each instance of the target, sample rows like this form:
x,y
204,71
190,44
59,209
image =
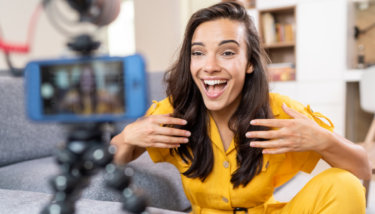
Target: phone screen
x,y
86,88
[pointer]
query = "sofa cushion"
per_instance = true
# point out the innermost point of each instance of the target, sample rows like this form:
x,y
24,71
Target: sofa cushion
x,y
30,175
164,186
156,86
21,139
160,183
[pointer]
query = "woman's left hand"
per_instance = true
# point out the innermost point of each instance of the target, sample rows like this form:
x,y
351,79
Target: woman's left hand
x,y
292,135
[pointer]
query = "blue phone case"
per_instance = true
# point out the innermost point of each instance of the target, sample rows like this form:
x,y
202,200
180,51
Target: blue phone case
x,y
135,90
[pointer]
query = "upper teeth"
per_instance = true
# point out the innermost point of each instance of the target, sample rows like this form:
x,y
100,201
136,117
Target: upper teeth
x,y
214,82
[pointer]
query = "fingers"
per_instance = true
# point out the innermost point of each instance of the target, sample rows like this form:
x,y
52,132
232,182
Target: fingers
x,y
276,151
268,144
156,129
272,147
291,112
288,134
273,123
270,134
168,140
278,123
172,131
165,145
164,141
166,120
150,132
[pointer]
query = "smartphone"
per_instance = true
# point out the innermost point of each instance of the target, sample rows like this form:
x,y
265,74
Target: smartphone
x,y
86,89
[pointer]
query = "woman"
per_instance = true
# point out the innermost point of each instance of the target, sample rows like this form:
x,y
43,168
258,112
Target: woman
x,y
86,98
234,142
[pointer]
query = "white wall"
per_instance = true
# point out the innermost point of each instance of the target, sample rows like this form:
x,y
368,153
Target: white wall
x,y
121,32
199,4
266,4
158,31
159,28
14,21
321,60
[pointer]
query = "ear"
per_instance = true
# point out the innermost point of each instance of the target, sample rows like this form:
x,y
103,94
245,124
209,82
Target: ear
x,y
249,69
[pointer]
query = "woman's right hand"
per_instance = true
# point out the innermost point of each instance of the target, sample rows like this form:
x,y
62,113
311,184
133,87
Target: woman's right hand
x,y
153,131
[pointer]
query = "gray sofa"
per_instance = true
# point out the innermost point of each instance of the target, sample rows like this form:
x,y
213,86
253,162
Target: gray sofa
x,y
27,162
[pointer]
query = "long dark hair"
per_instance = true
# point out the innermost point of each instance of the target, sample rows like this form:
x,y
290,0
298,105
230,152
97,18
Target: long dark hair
x,y
188,103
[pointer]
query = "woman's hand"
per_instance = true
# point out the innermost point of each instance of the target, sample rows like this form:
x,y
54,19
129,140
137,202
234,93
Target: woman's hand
x,y
303,134
291,135
150,132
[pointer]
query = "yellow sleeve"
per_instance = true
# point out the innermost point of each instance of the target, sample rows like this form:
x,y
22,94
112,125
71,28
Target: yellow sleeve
x,y
160,154
296,161
276,101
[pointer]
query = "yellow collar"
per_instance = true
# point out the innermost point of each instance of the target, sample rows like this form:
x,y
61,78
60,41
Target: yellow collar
x,y
216,138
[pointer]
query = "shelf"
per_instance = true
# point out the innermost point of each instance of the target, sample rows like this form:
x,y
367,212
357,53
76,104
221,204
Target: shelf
x,y
353,75
287,9
277,30
280,45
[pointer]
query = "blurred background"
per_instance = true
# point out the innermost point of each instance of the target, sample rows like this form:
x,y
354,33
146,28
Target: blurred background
x,y
314,49
318,48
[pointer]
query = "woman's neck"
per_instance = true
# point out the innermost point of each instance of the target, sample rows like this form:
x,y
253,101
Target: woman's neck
x,y
222,122
223,116
221,119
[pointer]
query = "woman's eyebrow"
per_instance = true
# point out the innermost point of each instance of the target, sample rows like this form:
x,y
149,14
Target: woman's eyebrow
x,y
221,43
197,43
229,41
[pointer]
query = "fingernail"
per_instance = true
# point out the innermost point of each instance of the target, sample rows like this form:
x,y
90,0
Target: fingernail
x,y
284,105
253,122
251,144
248,135
187,134
185,122
186,140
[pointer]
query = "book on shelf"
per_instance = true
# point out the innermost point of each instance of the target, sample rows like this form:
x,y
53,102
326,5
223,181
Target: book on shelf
x,y
284,32
274,32
289,32
269,31
282,71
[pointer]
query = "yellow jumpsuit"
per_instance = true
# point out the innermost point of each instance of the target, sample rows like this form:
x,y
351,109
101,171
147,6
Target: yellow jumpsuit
x,y
333,191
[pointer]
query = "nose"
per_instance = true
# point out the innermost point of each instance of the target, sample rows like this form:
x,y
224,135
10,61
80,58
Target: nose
x,y
211,64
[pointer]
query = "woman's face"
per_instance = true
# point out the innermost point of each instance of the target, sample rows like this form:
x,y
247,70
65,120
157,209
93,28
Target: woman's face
x,y
219,63
87,81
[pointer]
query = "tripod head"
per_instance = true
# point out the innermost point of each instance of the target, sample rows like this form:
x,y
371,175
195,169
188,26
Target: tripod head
x,y
84,45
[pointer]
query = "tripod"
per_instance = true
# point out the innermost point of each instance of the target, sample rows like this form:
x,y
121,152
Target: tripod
x,y
83,155
86,151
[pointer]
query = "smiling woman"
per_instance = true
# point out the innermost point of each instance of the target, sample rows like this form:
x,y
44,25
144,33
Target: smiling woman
x,y
226,52
233,141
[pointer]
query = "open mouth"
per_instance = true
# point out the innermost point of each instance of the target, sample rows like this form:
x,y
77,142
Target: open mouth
x,y
214,88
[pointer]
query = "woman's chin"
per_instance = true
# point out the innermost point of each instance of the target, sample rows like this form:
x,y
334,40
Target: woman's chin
x,y
213,105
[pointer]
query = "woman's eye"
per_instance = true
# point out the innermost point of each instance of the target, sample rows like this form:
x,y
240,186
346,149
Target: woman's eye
x,y
228,53
196,53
